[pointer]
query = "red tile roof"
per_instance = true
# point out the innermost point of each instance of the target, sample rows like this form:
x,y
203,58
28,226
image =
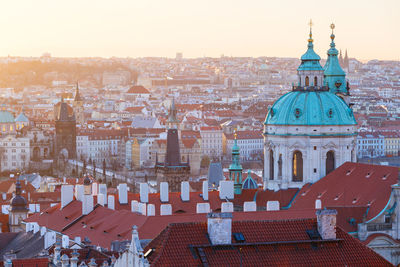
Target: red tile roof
x,y
186,244
352,184
34,262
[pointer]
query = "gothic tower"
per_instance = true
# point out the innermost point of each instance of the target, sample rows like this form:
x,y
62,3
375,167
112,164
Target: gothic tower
x,y
65,124
172,170
78,107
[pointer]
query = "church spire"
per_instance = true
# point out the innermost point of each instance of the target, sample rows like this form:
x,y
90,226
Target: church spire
x,y
310,71
172,121
77,95
335,77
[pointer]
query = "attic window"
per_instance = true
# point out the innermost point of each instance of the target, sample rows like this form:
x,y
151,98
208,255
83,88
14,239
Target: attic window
x,y
239,237
384,177
354,200
349,172
336,198
368,175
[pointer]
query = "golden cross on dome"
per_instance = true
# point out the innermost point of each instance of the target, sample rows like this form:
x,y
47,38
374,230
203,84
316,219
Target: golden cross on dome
x,y
311,24
332,27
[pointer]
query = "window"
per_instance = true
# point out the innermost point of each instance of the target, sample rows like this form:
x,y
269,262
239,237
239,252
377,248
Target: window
x,y
297,165
307,81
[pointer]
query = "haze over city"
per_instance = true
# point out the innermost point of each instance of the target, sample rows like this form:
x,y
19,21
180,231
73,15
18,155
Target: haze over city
x,y
199,133
368,29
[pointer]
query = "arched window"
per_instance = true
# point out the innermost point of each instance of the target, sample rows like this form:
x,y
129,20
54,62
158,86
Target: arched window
x,y
315,81
330,161
297,164
271,164
307,81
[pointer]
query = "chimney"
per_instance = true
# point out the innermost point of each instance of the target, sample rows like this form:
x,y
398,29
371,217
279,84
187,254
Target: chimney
x,y
43,231
101,199
326,220
226,190
185,191
205,190
226,207
165,209
67,195
203,208
103,190
318,204
144,192
273,205
134,206
36,227
123,194
219,227
95,189
65,241
4,196
142,208
87,204
111,204
79,192
151,210
249,206
164,192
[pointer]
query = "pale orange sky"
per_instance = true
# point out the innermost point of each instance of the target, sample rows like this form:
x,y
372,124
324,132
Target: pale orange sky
x,y
77,28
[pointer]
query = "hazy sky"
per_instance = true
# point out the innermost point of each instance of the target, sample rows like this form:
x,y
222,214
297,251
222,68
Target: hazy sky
x,y
367,28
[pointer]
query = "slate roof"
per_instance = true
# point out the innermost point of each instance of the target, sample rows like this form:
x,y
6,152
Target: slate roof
x,y
6,117
215,174
24,245
186,244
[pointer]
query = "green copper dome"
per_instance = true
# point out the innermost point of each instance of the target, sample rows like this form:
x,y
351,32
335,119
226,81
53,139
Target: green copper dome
x,y
310,108
310,59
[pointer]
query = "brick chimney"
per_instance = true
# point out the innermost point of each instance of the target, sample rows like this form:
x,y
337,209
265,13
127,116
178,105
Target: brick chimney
x,y
326,220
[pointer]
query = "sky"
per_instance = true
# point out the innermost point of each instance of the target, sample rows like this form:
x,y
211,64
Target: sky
x,y
368,29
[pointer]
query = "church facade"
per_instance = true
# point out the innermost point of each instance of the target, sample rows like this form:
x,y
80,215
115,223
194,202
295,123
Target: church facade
x,y
311,130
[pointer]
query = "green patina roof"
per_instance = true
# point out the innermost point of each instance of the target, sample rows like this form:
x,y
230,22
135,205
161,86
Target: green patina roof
x,y
335,77
310,108
6,117
310,59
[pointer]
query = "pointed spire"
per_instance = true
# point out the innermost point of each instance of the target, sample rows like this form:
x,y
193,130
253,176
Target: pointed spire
x,y
77,95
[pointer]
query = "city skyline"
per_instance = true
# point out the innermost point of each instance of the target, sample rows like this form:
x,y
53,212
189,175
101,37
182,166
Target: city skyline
x,y
162,28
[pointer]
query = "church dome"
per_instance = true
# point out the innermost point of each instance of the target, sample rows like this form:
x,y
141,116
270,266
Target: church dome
x,y
310,108
18,202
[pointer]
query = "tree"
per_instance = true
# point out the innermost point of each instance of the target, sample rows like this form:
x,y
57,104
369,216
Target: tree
x,y
94,169
84,166
205,162
104,168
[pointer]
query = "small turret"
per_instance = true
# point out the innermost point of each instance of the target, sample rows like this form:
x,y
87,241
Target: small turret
x,y
235,169
335,77
18,209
